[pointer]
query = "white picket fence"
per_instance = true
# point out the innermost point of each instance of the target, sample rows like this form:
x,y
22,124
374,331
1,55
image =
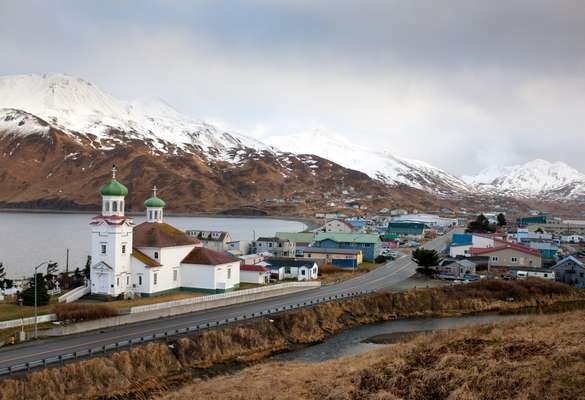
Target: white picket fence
x,y
221,296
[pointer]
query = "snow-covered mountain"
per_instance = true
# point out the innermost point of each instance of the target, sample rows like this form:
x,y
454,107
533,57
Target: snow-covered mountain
x,y
537,179
377,164
75,105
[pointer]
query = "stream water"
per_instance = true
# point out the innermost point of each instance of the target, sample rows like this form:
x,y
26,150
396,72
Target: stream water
x,y
366,338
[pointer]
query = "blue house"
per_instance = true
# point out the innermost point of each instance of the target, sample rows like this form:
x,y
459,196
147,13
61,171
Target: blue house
x,y
369,244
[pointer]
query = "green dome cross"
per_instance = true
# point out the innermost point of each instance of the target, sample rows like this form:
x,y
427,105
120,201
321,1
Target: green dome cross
x,y
114,188
154,201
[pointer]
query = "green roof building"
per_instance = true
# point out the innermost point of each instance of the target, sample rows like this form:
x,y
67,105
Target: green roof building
x,y
406,229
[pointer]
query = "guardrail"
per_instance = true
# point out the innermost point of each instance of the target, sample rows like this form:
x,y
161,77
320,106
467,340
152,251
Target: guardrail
x,y
101,350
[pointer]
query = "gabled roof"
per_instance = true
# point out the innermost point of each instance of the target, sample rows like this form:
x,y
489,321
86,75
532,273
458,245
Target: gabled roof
x,y
323,250
140,256
253,268
297,237
287,262
154,234
204,256
271,239
348,237
346,223
211,236
570,258
506,246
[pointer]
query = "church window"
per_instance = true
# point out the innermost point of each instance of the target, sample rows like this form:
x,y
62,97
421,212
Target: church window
x,y
107,206
103,248
156,255
155,278
114,206
117,281
123,249
150,215
175,275
140,280
229,273
127,280
122,205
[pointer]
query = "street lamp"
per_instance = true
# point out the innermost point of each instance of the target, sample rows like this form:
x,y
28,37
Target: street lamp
x,y
36,268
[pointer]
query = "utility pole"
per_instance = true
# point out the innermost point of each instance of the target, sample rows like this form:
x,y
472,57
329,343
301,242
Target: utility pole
x,y
67,264
36,269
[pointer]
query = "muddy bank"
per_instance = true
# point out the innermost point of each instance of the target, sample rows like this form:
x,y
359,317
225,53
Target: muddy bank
x,y
152,368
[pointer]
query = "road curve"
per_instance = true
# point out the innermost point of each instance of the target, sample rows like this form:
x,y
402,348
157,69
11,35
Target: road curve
x,y
380,278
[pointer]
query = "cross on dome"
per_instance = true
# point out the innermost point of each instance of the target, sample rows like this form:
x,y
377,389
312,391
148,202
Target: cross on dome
x,y
154,189
114,170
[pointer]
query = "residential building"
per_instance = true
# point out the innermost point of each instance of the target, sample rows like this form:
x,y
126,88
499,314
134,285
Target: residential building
x,y
336,226
524,273
214,240
254,274
251,259
238,247
537,219
461,243
369,244
275,246
209,271
510,255
459,268
558,228
296,269
407,230
343,258
548,250
298,238
570,270
572,238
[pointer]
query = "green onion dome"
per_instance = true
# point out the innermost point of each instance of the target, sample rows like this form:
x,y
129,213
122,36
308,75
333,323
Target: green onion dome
x,y
154,202
114,188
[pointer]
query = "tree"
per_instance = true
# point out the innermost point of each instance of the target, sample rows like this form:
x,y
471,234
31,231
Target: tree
x,y
2,276
86,270
502,220
425,258
28,295
539,230
480,225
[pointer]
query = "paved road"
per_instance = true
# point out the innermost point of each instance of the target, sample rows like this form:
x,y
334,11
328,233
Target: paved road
x,y
382,277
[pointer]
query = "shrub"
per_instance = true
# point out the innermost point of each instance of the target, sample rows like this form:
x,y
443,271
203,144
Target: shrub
x,y
329,269
380,259
75,312
28,295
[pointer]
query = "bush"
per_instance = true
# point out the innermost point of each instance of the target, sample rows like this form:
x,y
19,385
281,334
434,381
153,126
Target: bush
x,y
28,295
75,312
380,259
329,269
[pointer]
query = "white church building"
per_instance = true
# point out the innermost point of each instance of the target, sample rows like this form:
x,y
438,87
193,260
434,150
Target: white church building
x,y
154,257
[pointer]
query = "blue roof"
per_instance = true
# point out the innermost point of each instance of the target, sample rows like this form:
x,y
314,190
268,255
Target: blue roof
x,y
461,239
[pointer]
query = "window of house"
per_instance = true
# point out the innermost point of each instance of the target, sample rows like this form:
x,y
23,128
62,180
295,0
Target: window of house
x,y
155,278
140,280
287,270
581,274
156,255
546,275
175,274
269,244
123,249
303,272
514,259
229,273
495,258
103,248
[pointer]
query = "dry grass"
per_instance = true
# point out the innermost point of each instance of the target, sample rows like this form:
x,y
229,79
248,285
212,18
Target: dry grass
x,y
10,311
76,312
525,359
254,340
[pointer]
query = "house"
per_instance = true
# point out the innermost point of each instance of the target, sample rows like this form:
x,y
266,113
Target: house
x,y
369,244
251,259
336,226
457,268
238,247
214,240
343,258
152,258
511,255
461,243
254,274
572,238
297,269
548,250
570,270
408,230
524,273
275,246
298,238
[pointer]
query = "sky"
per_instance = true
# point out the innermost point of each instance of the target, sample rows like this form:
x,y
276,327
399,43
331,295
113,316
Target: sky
x,y
461,84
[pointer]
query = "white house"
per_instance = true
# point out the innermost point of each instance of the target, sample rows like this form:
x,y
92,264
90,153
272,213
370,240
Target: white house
x,y
336,226
462,244
254,274
573,238
154,257
301,270
434,221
